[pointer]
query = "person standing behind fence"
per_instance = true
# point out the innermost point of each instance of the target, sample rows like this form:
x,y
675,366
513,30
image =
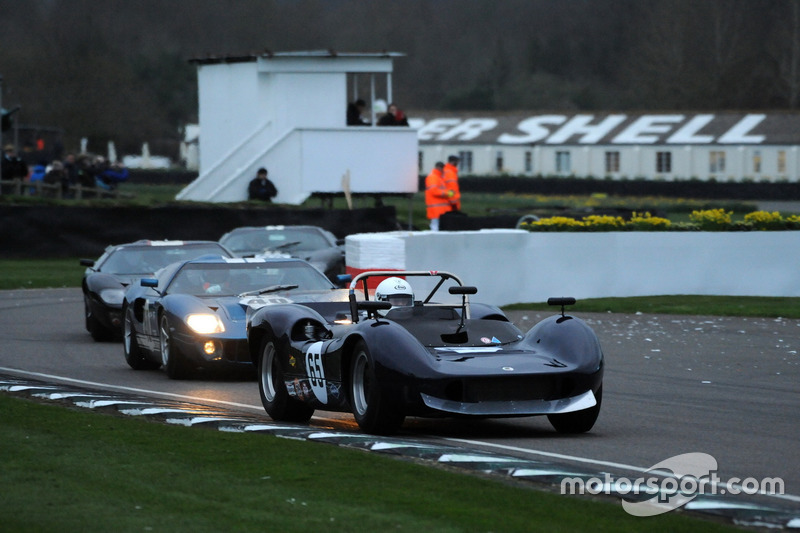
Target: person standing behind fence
x,y
12,166
437,197
57,176
451,182
261,188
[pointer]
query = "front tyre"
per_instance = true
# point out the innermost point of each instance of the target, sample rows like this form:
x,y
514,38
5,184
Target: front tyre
x,y
370,409
96,329
272,387
133,354
171,357
579,421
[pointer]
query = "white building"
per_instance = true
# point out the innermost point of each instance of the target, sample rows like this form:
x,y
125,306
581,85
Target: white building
x,y
287,112
668,146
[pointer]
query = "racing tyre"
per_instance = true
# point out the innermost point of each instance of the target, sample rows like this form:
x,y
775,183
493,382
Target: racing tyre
x,y
272,387
133,354
372,412
171,357
98,331
579,421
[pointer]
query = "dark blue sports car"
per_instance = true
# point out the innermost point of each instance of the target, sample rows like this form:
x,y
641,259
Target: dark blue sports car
x,y
106,279
193,313
420,348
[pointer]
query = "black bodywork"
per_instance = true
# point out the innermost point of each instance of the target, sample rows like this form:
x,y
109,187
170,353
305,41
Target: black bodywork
x,y
432,359
106,279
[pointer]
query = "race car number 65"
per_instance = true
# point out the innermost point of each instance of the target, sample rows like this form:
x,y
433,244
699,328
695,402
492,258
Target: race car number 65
x,y
316,372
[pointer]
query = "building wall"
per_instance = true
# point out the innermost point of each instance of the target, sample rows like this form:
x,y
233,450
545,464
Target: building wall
x,y
634,161
722,146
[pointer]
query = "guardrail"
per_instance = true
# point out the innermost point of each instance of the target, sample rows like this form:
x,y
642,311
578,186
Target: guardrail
x,y
18,187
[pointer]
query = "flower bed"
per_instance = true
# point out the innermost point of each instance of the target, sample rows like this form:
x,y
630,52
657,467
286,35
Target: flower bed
x,y
702,220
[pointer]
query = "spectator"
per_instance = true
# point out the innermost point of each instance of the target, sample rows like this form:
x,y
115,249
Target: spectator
x,y
37,174
86,171
261,188
57,176
354,111
393,117
437,197
12,166
71,170
112,175
451,182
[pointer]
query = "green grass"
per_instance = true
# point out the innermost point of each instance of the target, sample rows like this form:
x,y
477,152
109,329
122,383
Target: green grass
x,y
71,470
753,306
40,273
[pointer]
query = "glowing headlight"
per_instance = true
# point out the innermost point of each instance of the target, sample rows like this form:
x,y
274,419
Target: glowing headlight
x,y
112,296
205,323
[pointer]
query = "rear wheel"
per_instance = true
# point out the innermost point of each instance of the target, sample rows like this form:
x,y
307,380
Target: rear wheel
x,y
171,358
579,421
272,387
371,410
133,354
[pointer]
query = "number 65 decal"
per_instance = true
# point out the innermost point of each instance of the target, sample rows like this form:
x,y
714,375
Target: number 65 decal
x,y
316,372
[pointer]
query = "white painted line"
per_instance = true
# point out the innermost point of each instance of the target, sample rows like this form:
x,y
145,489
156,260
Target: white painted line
x,y
789,497
131,389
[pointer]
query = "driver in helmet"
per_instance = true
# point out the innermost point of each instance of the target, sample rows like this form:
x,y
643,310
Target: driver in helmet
x,y
396,291
215,280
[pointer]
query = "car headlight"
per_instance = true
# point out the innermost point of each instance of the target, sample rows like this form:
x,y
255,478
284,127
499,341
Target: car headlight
x,y
112,296
205,323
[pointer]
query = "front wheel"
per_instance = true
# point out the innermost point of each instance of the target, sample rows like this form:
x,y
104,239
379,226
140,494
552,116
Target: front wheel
x,y
272,387
579,421
371,410
171,357
133,354
96,329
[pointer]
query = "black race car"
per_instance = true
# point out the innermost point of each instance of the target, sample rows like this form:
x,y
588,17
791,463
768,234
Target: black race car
x,y
399,355
312,243
193,313
106,279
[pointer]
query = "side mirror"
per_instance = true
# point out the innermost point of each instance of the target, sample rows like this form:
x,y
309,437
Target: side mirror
x,y
372,307
149,282
87,262
463,289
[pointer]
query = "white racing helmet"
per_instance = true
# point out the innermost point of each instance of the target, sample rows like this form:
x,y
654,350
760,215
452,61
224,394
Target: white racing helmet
x,y
396,291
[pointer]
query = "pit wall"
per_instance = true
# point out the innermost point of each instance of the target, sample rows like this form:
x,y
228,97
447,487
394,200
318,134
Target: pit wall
x,y
512,266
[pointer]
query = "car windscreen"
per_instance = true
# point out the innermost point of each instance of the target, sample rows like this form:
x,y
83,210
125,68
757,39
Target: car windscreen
x,y
288,240
148,259
229,279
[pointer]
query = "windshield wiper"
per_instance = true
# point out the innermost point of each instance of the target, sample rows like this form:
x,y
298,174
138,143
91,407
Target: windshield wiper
x,y
271,288
285,245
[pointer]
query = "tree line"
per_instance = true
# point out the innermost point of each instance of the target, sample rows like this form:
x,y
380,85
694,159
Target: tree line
x,y
119,70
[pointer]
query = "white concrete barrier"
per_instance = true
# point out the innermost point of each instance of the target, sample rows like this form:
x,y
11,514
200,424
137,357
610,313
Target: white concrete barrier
x,y
510,266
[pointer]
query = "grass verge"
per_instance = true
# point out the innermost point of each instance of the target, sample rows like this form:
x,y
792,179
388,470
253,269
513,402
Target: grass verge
x,y
754,306
70,470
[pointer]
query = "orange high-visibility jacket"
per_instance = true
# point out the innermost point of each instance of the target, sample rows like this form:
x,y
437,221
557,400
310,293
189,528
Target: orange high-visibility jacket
x,y
436,197
451,183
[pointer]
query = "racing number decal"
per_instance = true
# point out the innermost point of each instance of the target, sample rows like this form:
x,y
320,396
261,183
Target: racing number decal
x,y
316,372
